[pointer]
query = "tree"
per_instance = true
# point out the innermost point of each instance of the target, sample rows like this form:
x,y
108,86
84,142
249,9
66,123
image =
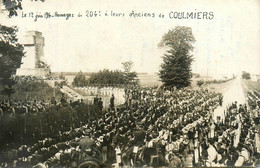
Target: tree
x,y
61,76
127,66
79,80
62,81
176,67
11,53
200,83
107,78
246,75
130,77
12,6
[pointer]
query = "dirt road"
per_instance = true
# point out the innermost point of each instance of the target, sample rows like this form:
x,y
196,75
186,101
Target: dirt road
x,y
232,93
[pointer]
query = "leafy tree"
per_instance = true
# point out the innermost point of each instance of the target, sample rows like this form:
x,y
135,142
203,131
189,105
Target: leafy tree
x,y
196,75
130,77
11,6
107,78
127,66
200,83
62,81
246,75
11,53
176,67
61,76
79,80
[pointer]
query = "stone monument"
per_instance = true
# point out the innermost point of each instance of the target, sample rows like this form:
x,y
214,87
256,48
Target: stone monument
x,y
31,62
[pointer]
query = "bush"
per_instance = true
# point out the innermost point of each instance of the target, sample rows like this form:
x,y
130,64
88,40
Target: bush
x,y
80,80
31,88
246,75
196,75
61,83
200,83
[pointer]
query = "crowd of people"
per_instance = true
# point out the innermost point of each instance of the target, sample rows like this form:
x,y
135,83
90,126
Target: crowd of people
x,y
156,127
105,91
26,122
118,92
253,99
12,108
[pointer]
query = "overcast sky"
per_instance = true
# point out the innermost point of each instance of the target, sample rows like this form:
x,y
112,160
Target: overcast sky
x,y
229,43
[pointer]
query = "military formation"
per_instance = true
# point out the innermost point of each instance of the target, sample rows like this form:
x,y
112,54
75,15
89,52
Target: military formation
x,y
103,92
155,127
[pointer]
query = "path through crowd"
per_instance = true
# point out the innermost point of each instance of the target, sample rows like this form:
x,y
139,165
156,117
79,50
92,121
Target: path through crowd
x,y
232,93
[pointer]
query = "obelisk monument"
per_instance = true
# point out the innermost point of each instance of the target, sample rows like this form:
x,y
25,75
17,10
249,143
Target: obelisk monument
x,y
34,48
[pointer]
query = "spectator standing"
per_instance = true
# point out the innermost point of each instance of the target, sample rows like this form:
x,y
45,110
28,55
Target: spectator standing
x,y
112,102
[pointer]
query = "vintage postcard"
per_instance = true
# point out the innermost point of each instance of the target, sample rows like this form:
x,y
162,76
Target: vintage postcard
x,y
132,83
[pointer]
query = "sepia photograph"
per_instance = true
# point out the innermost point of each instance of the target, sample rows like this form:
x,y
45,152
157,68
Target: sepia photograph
x,y
134,83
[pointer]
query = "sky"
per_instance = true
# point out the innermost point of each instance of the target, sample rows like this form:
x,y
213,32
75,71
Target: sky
x,y
227,44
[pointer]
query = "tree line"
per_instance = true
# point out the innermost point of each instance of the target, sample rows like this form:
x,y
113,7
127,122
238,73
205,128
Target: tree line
x,y
108,77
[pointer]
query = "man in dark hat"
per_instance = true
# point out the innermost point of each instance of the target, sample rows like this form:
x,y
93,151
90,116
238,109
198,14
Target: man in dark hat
x,y
241,108
100,104
63,100
96,100
112,102
232,157
220,99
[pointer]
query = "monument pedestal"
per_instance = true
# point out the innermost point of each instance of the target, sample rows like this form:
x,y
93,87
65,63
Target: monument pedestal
x,y
31,63
32,72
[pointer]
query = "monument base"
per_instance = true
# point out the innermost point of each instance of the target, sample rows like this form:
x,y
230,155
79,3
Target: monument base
x,y
32,72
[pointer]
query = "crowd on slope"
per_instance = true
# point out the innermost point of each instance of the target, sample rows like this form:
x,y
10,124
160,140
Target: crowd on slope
x,y
155,128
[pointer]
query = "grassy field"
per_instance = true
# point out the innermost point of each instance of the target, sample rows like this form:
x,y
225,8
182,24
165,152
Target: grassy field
x,y
147,80
215,85
252,85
